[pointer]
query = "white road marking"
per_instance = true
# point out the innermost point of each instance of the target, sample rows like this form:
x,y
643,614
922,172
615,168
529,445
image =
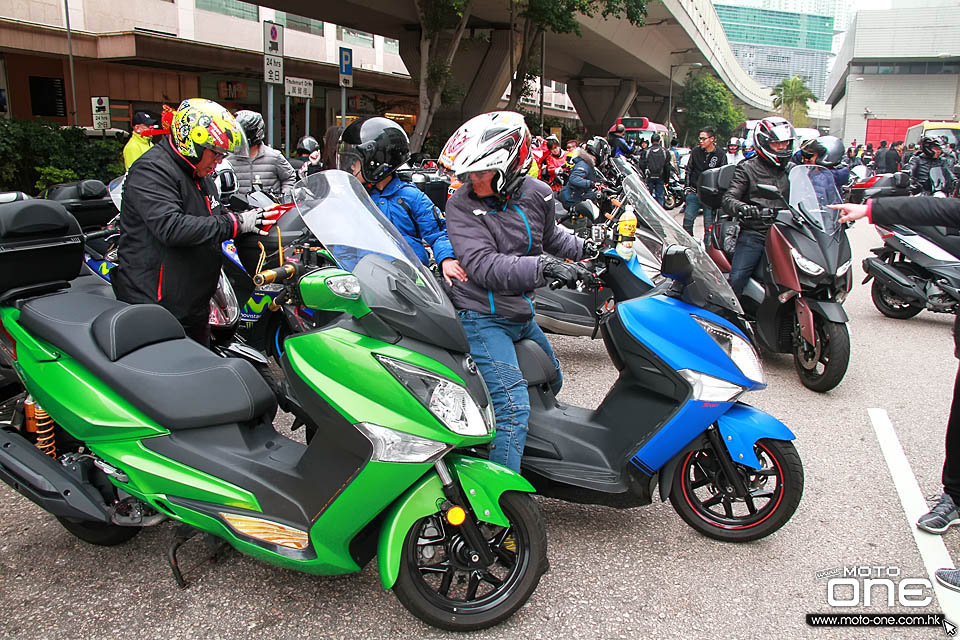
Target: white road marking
x,y
932,550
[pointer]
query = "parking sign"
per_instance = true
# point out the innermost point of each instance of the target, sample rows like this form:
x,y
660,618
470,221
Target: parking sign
x,y
346,67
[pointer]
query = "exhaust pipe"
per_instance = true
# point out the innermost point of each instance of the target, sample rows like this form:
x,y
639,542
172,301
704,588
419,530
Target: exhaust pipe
x,y
892,279
46,482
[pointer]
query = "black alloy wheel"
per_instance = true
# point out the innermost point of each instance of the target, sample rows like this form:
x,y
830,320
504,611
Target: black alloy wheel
x,y
440,583
889,303
706,500
821,366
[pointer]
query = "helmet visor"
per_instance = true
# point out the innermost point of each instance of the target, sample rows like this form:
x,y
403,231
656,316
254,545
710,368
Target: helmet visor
x,y
349,159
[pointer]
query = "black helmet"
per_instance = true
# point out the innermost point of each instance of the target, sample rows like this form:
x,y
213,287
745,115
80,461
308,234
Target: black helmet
x,y
599,149
307,145
829,150
253,127
380,144
927,143
774,129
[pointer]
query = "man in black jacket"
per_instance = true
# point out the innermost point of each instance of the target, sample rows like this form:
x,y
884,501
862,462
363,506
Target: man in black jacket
x,y
774,139
169,252
928,212
930,157
705,156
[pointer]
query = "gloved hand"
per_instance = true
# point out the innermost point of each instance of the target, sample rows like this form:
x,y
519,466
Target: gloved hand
x,y
256,221
554,270
689,190
748,211
590,250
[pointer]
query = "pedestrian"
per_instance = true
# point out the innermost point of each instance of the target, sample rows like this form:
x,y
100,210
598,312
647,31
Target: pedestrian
x,y
618,143
552,164
881,158
138,143
657,168
928,212
909,153
265,168
705,156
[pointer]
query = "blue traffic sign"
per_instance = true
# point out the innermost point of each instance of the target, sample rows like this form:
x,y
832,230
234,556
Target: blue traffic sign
x,y
346,61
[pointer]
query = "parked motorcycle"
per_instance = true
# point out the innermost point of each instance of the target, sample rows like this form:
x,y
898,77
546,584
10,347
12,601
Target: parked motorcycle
x,y
917,268
674,417
859,189
795,296
125,423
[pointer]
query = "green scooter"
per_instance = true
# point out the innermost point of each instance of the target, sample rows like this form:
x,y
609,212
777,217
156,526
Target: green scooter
x,y
122,422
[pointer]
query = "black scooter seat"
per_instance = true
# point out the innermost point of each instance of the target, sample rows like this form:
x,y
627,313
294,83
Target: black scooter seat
x,y
141,352
535,365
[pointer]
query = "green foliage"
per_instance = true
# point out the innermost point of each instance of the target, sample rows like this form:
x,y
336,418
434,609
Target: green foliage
x,y
532,119
561,16
36,153
791,96
710,104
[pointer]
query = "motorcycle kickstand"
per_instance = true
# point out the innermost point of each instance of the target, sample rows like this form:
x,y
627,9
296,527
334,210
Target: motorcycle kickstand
x,y
182,534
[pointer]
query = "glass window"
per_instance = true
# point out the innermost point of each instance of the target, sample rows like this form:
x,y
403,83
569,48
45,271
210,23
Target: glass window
x,y
391,46
306,25
951,67
856,68
885,69
359,38
559,87
934,67
233,8
870,68
918,67
901,69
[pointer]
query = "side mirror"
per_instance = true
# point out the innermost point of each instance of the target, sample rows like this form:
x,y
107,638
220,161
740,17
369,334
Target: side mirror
x,y
588,209
901,180
239,202
333,289
677,263
770,190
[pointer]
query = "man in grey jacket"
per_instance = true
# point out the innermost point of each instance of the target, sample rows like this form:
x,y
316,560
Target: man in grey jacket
x,y
501,222
265,167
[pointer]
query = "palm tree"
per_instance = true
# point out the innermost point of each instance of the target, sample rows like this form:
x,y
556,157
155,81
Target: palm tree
x,y
791,96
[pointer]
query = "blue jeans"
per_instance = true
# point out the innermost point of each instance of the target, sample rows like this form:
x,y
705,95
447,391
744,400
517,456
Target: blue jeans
x,y
750,246
492,339
656,188
690,215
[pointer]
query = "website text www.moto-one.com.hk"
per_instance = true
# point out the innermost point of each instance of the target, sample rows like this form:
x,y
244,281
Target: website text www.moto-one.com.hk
x,y
875,620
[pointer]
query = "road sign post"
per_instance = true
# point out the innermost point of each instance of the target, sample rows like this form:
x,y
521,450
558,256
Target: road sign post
x,y
346,80
272,66
296,88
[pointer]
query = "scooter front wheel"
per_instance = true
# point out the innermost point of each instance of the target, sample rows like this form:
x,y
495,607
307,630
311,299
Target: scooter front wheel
x,y
822,366
706,500
440,584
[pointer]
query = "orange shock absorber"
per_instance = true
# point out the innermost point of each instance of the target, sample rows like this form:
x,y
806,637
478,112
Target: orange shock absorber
x,y
30,415
46,438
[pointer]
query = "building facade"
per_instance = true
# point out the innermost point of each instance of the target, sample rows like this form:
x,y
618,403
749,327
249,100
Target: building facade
x,y
774,45
894,70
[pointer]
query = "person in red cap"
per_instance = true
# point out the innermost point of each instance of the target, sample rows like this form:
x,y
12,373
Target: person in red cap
x,y
138,143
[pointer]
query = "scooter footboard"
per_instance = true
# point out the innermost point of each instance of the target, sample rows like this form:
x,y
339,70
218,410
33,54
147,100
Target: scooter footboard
x,y
743,425
483,483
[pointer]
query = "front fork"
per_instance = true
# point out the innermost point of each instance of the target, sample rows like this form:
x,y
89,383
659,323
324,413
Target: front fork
x,y
481,553
726,464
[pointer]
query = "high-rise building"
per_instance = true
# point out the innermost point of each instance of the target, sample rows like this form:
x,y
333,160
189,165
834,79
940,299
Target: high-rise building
x,y
772,45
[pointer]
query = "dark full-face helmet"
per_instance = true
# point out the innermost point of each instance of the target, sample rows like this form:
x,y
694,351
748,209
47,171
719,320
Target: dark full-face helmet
x,y
307,145
380,145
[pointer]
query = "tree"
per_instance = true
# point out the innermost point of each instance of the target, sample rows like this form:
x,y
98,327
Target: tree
x,y
558,16
438,46
709,103
791,97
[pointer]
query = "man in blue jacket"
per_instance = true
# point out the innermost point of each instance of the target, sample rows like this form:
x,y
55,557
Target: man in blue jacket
x,y
584,175
372,149
502,225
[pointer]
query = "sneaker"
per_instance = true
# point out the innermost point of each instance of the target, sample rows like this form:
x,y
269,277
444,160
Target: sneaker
x,y
941,517
950,578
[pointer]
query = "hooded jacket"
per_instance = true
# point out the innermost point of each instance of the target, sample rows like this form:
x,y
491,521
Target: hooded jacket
x,y
169,252
582,178
501,249
416,217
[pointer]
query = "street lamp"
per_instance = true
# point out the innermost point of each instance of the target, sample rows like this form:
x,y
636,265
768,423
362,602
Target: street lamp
x,y
692,65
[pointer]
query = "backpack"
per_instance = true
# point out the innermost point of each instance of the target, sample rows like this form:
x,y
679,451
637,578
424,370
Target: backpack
x,y
656,160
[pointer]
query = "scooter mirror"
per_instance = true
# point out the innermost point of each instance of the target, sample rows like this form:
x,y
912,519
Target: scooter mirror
x,y
769,189
901,180
677,263
239,202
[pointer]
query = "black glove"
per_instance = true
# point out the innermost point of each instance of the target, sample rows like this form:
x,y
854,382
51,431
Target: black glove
x,y
590,250
748,211
554,271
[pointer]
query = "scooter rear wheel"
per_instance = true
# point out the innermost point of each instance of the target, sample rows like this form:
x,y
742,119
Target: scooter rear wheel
x,y
98,533
890,305
703,496
437,585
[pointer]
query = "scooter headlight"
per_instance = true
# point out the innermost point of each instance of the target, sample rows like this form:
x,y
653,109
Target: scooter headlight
x,y
390,445
710,389
740,351
844,268
806,265
448,401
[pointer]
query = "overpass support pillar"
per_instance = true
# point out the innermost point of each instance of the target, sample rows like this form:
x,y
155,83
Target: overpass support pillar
x,y
600,101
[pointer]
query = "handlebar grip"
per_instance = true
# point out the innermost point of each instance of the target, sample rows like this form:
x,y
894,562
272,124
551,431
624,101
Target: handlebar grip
x,y
280,274
556,284
103,233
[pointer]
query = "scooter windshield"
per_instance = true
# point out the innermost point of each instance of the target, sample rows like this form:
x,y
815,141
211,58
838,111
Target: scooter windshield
x,y
657,230
812,188
393,282
115,188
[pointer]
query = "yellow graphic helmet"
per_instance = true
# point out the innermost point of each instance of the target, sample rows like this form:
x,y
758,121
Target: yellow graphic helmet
x,y
202,124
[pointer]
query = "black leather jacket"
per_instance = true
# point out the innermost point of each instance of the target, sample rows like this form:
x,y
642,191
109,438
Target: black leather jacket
x,y
920,166
743,190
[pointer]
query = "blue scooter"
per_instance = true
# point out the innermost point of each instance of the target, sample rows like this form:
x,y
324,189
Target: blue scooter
x,y
674,416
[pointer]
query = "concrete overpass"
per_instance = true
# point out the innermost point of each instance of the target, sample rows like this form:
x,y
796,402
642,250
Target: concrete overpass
x,y
614,68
